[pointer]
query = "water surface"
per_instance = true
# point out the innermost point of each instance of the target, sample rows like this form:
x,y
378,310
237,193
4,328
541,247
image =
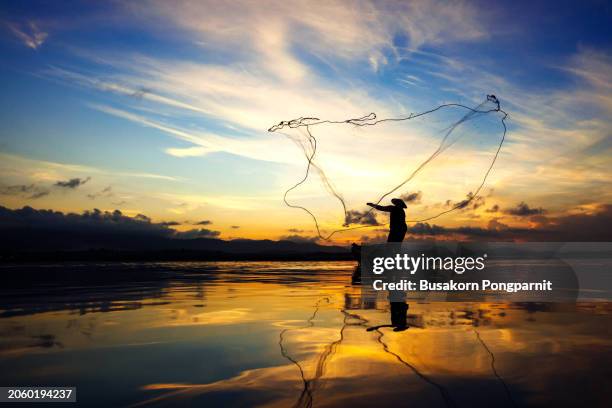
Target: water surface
x,y
287,334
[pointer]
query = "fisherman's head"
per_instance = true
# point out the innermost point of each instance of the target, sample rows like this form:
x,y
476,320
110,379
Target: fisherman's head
x,y
398,202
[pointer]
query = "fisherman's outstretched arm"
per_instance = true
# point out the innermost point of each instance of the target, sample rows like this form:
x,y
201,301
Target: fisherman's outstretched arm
x,y
386,208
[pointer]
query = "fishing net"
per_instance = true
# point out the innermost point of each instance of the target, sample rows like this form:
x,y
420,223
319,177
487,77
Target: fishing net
x,y
437,161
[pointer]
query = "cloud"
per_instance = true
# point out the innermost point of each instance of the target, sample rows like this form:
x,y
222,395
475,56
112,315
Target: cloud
x,y
424,228
29,34
270,30
203,222
193,151
593,68
375,239
592,226
295,230
197,233
584,226
265,79
72,183
112,85
39,194
34,168
31,191
169,223
497,225
28,230
235,226
493,209
260,146
478,202
31,229
360,217
94,220
469,232
298,238
412,198
523,210
469,203
106,192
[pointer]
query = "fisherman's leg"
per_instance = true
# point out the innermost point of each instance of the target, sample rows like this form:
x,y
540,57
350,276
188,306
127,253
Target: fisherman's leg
x,y
394,237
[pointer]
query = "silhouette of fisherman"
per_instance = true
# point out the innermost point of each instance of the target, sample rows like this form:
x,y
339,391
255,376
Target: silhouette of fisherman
x,y
356,252
397,232
397,224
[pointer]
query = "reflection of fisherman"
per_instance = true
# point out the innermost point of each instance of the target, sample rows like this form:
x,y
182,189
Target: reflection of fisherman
x,y
397,224
399,316
399,311
356,252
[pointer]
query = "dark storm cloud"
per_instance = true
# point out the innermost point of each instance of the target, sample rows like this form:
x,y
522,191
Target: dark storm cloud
x,y
522,209
72,183
170,223
360,217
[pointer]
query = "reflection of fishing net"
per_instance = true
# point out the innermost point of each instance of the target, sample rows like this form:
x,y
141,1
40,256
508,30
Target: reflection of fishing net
x,y
437,161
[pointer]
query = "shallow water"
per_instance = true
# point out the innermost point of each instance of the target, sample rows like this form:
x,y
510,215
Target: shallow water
x,y
287,334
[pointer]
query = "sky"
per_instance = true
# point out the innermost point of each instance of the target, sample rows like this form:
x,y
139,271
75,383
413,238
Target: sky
x,y
161,110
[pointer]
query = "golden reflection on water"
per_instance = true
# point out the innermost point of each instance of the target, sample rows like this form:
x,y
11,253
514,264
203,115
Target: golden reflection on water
x,y
295,334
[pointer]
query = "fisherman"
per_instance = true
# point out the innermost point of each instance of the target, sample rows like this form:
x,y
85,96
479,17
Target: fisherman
x,y
397,224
